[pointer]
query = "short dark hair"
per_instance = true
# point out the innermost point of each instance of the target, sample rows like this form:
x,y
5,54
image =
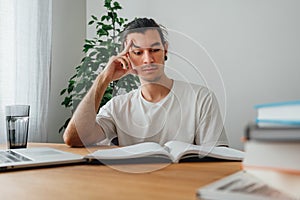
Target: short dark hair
x,y
141,25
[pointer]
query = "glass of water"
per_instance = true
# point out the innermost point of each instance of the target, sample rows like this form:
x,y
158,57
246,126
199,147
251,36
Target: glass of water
x,y
17,123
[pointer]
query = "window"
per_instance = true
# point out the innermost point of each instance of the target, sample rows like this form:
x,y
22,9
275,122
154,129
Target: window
x,y
25,50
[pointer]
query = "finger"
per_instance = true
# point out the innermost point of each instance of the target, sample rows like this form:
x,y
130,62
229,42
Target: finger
x,y
128,62
131,64
133,71
127,47
123,62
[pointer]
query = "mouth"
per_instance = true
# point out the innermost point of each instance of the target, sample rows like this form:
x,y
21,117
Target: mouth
x,y
149,68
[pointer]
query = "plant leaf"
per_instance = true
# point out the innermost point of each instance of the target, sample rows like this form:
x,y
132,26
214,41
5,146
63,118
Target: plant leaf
x,y
63,91
94,17
91,22
79,87
92,54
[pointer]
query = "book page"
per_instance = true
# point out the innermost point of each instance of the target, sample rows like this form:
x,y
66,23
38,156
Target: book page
x,y
179,149
132,151
288,183
226,153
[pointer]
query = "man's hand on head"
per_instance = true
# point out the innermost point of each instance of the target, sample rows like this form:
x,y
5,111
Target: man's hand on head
x,y
119,65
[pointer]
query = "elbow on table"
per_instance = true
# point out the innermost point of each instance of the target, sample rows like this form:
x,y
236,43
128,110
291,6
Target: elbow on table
x,y
72,139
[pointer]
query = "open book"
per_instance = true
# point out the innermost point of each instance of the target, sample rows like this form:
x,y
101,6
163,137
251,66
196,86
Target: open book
x,y
174,151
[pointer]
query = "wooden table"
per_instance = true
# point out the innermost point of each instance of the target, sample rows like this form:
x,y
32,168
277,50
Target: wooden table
x,y
174,181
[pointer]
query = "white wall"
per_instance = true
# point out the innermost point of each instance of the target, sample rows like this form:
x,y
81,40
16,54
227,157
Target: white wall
x,y
254,44
69,32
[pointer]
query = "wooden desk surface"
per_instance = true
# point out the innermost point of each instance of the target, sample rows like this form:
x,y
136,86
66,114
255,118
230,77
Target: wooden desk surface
x,y
174,181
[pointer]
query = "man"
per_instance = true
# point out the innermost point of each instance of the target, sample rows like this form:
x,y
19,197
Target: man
x,y
161,110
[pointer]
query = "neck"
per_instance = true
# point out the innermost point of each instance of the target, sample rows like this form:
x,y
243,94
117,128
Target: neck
x,y
156,91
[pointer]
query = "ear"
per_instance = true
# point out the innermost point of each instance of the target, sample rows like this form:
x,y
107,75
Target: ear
x,y
166,45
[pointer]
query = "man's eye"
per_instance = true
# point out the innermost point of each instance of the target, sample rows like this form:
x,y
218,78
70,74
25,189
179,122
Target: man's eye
x,y
155,50
137,53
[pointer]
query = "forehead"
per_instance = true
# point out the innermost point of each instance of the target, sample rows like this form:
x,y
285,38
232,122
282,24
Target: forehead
x,y
146,39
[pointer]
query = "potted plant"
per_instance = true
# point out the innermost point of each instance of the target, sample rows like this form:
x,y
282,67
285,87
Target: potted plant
x,y
97,53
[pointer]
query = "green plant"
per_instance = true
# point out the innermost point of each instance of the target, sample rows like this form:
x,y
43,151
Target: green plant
x,y
97,53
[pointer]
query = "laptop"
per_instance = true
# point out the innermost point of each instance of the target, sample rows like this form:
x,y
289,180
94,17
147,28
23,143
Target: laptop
x,y
36,157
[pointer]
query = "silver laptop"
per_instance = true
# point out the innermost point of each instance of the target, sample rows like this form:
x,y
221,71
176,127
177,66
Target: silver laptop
x,y
36,157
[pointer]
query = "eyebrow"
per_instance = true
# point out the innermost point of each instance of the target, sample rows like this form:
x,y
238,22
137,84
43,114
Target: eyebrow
x,y
152,45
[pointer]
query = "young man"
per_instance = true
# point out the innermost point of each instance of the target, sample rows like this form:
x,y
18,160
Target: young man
x,y
161,110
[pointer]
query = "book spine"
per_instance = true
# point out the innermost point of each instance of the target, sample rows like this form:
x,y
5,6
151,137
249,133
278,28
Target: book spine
x,y
277,122
278,104
247,132
272,133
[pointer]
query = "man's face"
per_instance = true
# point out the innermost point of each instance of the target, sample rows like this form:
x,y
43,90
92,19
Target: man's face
x,y
147,55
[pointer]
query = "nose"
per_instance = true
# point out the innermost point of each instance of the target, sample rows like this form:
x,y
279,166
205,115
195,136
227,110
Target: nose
x,y
148,57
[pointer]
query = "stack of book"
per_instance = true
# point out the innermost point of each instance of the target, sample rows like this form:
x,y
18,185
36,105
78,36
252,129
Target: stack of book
x,y
272,146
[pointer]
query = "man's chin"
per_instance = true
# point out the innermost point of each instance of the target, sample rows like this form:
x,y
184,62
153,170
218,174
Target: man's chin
x,y
150,79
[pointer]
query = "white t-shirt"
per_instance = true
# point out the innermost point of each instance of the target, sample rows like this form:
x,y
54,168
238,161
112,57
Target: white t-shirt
x,y
189,113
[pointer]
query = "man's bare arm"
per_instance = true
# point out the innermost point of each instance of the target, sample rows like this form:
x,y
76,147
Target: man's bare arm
x,y
83,128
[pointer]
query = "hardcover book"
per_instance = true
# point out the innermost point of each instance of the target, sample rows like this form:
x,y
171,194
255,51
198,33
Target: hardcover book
x,y
278,114
172,151
272,133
